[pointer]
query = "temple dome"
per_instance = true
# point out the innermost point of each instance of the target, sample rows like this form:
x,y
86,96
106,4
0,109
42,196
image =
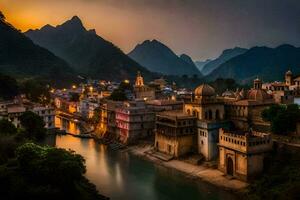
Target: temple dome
x,y
229,94
258,95
205,90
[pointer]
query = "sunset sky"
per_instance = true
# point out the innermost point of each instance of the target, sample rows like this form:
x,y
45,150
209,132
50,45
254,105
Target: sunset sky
x,y
199,28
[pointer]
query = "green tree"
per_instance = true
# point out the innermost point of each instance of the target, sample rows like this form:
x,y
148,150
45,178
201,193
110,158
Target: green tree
x,y
8,87
283,119
57,166
34,126
36,91
7,128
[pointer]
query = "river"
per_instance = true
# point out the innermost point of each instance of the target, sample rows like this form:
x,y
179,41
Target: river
x,y
123,176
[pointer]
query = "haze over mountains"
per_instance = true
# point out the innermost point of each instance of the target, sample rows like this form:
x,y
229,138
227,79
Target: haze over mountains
x,y
20,57
226,55
86,52
75,50
269,64
200,64
157,57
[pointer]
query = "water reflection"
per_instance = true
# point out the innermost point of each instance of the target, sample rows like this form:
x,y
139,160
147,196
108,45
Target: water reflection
x,y
124,176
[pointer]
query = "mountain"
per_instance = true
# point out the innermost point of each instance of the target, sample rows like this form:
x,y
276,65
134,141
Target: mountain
x,y
226,55
86,52
20,57
269,64
157,57
201,64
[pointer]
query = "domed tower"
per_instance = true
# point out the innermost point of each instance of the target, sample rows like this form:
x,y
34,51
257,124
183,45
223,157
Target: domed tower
x,y
139,80
204,92
257,84
289,78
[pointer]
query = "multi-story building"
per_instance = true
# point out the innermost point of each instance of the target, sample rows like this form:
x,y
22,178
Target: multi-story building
x,y
241,153
210,114
175,133
159,105
47,113
134,121
245,109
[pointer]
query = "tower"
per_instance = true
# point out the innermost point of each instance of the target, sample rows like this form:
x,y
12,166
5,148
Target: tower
x,y
289,78
139,80
257,84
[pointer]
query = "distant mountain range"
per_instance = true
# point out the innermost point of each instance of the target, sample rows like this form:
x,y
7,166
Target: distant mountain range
x,y
201,64
226,55
157,57
20,57
86,52
269,64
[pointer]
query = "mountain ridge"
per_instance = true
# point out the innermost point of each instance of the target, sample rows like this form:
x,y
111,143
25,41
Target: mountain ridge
x,y
225,55
267,63
158,57
87,52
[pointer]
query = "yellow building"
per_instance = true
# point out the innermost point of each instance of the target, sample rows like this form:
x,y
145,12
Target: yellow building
x,y
241,154
175,133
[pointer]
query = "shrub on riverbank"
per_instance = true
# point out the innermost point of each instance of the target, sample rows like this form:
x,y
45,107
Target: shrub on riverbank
x,y
30,171
281,178
45,172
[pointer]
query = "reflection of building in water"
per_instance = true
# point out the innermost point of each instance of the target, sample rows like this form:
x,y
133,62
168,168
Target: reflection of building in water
x,y
175,133
241,154
67,124
209,112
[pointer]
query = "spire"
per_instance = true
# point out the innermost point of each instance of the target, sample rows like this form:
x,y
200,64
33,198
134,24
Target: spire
x,y
139,79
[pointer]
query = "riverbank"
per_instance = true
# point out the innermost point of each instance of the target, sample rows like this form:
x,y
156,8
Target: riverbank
x,y
204,173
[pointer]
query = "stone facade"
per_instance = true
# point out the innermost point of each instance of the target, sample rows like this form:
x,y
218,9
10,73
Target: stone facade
x,y
241,154
209,113
175,133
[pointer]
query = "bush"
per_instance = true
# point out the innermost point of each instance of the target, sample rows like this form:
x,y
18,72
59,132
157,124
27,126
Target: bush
x,y
34,126
283,119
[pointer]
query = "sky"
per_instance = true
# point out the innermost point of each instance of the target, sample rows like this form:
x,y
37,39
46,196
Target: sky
x,y
199,28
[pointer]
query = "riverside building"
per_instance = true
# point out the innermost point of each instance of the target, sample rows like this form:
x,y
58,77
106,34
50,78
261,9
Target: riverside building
x,y
242,153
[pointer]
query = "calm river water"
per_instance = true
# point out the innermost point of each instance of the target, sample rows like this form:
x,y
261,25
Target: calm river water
x,y
122,176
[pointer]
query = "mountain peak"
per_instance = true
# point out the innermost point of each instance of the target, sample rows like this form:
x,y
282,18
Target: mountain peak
x,y
74,24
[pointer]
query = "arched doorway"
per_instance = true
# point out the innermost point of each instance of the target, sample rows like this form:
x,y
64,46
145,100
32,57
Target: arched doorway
x,y
229,166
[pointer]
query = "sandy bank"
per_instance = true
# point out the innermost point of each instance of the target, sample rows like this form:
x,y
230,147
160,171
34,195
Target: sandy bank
x,y
204,173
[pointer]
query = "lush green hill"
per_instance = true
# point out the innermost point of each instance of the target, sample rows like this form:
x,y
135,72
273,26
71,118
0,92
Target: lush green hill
x,y
157,57
267,63
20,57
87,52
225,56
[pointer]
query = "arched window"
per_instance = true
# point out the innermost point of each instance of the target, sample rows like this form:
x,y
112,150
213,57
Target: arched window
x,y
218,115
188,111
210,115
194,113
206,115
